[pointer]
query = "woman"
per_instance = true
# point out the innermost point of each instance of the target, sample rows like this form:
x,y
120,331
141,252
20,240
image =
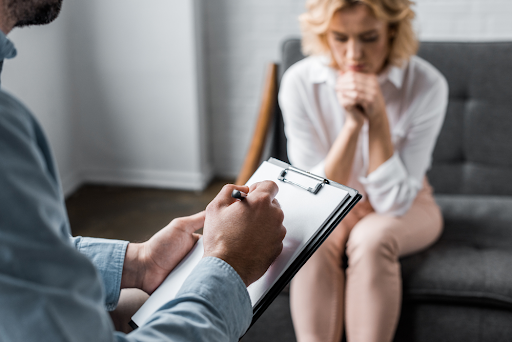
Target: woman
x,y
363,111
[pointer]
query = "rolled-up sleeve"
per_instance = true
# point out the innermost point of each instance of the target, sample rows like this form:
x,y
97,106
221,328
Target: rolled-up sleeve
x,y
108,257
389,188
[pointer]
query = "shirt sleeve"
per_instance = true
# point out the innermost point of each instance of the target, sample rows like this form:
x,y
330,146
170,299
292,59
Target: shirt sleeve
x,y
107,257
393,186
50,290
212,305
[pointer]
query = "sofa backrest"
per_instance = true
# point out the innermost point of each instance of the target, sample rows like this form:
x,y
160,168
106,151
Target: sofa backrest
x,y
473,154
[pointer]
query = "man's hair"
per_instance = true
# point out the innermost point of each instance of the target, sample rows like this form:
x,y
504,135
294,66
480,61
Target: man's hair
x,y
33,12
397,13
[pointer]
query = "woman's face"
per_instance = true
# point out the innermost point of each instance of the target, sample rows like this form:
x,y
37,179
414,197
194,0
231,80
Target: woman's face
x,y
358,40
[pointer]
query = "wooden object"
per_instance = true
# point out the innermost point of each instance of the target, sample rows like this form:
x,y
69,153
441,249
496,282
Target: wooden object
x,y
268,102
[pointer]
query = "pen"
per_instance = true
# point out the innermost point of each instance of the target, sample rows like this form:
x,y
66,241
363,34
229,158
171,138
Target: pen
x,y
238,195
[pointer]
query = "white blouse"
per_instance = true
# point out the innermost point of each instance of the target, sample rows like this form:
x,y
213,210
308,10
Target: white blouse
x,y
416,96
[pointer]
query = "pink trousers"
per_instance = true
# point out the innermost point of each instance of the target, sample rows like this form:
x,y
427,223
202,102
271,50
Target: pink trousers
x,y
366,297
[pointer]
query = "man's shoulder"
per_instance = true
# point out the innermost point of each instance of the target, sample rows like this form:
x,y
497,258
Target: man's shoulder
x,y
21,134
15,117
8,103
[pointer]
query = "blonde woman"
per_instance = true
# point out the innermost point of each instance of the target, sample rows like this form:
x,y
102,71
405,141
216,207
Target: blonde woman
x,y
363,111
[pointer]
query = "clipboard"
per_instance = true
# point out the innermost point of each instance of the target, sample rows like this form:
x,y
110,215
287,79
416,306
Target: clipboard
x,y
313,207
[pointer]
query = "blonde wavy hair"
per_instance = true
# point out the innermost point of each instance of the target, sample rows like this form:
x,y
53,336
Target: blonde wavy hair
x,y
397,13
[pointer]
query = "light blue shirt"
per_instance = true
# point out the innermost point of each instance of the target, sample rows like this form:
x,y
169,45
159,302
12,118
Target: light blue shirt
x,y
56,289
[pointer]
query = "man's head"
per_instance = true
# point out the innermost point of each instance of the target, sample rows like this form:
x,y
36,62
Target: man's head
x,y
18,13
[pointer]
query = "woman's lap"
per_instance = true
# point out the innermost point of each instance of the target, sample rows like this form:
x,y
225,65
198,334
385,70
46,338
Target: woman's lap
x,y
375,242
414,231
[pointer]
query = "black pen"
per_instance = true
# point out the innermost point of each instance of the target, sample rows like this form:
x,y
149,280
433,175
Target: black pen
x,y
238,195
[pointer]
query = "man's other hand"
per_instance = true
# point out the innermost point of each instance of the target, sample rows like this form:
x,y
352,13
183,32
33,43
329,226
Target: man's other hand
x,y
246,234
147,264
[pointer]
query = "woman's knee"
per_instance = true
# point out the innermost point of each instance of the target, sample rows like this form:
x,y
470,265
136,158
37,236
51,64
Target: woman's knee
x,y
373,237
332,249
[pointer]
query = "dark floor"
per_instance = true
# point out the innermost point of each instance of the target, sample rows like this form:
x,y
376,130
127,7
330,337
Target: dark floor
x,y
131,213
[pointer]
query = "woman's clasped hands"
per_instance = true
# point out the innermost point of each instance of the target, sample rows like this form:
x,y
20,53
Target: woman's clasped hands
x,y
361,97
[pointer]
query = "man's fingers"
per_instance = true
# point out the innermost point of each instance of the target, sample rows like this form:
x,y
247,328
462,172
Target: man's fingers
x,y
278,252
224,196
196,221
269,187
276,203
190,223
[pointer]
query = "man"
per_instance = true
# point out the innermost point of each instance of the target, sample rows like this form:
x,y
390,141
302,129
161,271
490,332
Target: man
x,y
55,288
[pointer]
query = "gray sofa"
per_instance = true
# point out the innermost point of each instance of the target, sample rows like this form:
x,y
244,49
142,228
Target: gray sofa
x,y
460,289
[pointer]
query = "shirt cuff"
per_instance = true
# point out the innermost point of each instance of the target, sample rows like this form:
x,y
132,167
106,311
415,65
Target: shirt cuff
x,y
386,176
108,257
220,285
389,188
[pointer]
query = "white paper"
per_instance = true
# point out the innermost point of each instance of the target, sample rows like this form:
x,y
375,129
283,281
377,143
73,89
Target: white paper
x,y
304,214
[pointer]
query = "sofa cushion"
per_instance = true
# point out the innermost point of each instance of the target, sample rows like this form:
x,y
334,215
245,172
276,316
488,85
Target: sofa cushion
x,y
472,261
427,322
473,154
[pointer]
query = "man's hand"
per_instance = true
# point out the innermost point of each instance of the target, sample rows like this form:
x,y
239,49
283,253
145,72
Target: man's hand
x,y
148,264
246,234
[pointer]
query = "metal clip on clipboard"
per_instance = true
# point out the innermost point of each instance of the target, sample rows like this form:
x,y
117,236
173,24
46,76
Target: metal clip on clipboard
x,y
314,190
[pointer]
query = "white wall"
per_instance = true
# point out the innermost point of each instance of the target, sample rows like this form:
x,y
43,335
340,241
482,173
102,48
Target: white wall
x,y
118,88
464,20
140,93
243,36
